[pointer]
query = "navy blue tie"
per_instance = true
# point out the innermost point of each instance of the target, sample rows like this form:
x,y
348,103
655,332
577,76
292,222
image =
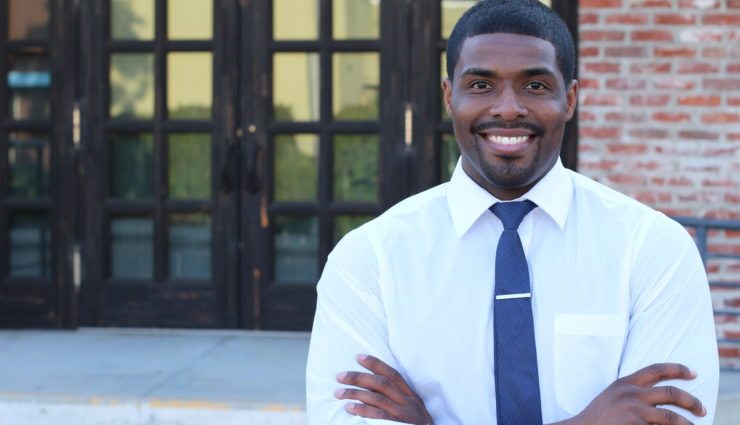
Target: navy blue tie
x,y
517,380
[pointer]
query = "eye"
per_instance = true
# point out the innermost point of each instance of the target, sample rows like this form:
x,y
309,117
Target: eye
x,y
480,85
536,86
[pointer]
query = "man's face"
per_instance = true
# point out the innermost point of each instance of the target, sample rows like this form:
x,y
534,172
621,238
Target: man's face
x,y
509,105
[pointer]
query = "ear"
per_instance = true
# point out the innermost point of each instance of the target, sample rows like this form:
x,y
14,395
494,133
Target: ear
x,y
447,92
571,99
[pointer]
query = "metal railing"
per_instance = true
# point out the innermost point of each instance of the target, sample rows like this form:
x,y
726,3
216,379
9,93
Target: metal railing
x,y
702,227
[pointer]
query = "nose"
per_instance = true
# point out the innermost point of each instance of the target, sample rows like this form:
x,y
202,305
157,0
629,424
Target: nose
x,y
508,106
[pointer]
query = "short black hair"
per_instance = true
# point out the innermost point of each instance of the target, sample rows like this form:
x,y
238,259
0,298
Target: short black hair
x,y
523,17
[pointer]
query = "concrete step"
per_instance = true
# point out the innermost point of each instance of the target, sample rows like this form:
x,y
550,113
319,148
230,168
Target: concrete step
x,y
173,377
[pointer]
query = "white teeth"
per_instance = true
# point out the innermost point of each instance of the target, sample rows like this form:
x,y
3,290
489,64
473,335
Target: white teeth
x,y
507,140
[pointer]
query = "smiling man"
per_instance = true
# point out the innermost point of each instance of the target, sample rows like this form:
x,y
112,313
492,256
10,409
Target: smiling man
x,y
519,292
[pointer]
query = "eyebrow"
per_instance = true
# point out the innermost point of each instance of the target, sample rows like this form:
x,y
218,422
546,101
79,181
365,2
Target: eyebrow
x,y
487,73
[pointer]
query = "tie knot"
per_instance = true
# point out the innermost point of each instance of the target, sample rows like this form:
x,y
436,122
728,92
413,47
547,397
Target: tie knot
x,y
511,214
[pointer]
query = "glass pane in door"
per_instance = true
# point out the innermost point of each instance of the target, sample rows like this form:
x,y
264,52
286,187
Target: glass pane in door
x,y
28,19
29,162
295,20
132,165
29,81
132,19
356,160
356,86
132,85
189,164
296,250
30,245
190,246
296,167
189,85
356,19
190,19
132,247
295,87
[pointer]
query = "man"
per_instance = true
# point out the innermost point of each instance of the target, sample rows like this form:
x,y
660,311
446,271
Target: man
x,y
519,292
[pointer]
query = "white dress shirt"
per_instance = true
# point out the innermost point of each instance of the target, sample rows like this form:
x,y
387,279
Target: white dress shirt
x,y
616,286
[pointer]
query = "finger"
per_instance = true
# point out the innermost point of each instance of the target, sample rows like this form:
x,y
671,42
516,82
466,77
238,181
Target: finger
x,y
377,383
369,398
366,411
660,416
676,397
379,367
651,375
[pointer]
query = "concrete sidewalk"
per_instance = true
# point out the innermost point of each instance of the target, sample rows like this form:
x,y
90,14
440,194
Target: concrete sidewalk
x,y
172,377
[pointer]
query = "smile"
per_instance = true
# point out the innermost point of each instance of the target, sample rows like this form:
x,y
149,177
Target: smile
x,y
503,140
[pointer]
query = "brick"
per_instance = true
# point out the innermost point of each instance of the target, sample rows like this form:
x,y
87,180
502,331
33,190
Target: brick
x,y
601,35
720,118
598,4
589,51
650,197
627,18
588,18
726,152
680,181
722,84
674,52
714,52
626,179
699,100
733,137
650,3
586,116
698,135
733,68
588,83
732,198
701,35
650,68
722,19
625,117
726,249
628,149
599,132
625,52
602,67
733,4
646,165
603,164
733,101
600,99
652,35
626,83
648,133
671,117
649,99
674,83
674,19
697,68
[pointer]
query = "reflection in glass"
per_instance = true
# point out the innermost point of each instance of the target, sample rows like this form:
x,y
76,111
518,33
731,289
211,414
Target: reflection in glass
x,y
190,246
28,19
132,85
296,167
343,224
356,86
132,19
296,250
132,165
356,19
356,167
190,19
448,156
189,165
295,19
189,85
30,245
29,81
132,247
29,163
295,87
451,12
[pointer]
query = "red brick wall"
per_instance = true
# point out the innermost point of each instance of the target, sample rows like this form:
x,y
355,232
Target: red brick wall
x,y
660,115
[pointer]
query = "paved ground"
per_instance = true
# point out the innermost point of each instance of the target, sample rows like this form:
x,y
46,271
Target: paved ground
x,y
172,377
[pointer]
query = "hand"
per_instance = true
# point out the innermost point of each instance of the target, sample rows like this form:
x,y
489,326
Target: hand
x,y
633,399
388,396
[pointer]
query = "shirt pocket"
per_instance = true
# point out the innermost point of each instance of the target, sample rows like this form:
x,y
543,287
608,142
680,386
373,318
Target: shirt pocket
x,y
587,350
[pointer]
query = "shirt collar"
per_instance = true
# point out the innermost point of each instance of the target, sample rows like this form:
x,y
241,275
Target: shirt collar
x,y
467,201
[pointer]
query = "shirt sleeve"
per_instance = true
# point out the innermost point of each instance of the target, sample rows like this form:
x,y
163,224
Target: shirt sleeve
x,y
350,320
671,318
